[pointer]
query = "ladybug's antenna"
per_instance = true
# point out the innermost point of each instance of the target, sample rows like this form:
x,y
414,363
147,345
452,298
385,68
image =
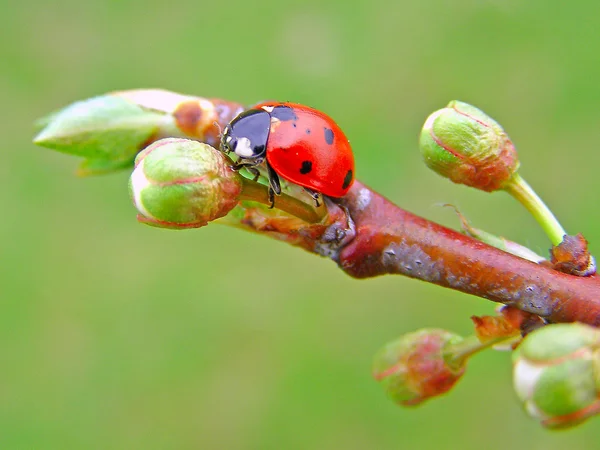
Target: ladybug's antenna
x,y
216,124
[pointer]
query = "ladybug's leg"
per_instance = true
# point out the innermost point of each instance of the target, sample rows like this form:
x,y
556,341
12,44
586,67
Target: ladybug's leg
x,y
274,185
255,173
250,167
244,165
315,196
271,197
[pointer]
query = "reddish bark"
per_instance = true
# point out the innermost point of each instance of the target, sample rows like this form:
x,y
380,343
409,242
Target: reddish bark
x,y
390,240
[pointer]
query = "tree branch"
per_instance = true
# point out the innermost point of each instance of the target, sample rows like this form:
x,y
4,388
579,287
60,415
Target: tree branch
x,y
390,240
367,235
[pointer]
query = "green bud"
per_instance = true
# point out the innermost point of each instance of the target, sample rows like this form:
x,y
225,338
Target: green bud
x,y
180,183
556,374
413,368
107,131
462,143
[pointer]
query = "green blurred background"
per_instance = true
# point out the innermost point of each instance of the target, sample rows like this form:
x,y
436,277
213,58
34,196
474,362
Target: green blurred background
x,y
114,335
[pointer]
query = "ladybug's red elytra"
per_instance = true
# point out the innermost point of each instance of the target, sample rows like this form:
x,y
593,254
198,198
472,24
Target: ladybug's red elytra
x,y
299,144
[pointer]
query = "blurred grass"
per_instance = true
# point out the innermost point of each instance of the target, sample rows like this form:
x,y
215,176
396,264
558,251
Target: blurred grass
x,y
115,335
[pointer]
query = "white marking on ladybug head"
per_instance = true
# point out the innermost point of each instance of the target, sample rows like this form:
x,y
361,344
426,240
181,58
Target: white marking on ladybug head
x,y
268,109
243,148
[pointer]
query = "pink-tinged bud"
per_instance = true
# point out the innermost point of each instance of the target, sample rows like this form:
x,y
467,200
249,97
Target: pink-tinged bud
x,y
556,374
462,143
413,368
179,183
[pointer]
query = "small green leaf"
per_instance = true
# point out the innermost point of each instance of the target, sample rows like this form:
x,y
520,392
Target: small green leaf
x,y
101,129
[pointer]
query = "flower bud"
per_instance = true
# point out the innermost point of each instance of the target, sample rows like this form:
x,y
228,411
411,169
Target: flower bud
x,y
556,374
462,143
108,131
179,183
413,368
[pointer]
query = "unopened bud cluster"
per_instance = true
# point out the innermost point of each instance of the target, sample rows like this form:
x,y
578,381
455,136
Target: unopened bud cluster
x,y
464,144
180,183
557,374
413,368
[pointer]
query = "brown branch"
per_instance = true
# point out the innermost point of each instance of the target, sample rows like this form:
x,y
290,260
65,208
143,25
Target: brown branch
x,y
390,240
367,235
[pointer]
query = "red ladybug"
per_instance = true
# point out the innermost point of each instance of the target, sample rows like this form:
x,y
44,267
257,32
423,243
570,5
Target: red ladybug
x,y
299,144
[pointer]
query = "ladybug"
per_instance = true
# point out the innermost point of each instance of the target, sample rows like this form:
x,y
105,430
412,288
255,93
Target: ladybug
x,y
298,144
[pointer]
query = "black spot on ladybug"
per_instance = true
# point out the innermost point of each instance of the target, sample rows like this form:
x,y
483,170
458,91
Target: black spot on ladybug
x,y
284,113
329,136
347,179
306,167
308,131
294,125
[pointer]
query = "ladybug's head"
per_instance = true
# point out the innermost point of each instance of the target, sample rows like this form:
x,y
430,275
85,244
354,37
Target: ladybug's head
x,y
247,134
